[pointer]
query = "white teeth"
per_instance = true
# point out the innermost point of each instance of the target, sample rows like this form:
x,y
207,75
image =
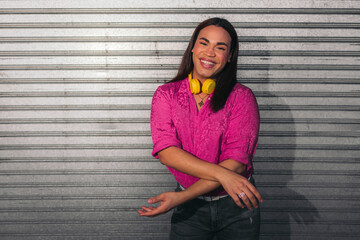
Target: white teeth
x,y
206,62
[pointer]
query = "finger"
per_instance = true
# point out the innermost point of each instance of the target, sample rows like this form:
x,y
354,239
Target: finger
x,y
243,197
155,199
253,200
147,214
152,213
236,200
254,196
253,189
249,199
142,211
147,209
251,193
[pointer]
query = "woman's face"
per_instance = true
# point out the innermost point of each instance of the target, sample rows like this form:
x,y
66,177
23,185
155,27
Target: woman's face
x,y
211,52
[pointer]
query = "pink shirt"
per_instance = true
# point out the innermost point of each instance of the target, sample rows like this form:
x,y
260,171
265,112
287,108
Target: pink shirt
x,y
230,133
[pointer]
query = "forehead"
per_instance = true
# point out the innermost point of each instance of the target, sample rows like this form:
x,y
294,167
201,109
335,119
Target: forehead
x,y
215,34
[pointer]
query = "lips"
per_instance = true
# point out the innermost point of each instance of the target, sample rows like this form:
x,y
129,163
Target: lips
x,y
206,63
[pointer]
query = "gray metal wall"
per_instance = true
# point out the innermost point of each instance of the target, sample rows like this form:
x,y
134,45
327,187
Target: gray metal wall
x,y
76,80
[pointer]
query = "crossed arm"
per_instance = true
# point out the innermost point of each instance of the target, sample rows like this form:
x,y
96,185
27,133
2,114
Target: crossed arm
x,y
211,177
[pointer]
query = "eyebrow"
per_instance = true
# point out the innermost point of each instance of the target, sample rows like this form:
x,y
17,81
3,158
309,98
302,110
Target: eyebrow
x,y
219,43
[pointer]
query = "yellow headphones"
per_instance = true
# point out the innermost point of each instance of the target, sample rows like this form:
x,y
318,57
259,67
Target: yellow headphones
x,y
208,87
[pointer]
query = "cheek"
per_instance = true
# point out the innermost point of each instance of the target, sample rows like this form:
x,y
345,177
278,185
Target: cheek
x,y
195,49
225,58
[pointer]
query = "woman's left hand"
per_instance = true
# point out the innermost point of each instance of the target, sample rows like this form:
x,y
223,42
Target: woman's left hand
x,y
168,201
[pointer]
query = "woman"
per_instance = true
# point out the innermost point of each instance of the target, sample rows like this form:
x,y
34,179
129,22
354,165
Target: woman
x,y
205,129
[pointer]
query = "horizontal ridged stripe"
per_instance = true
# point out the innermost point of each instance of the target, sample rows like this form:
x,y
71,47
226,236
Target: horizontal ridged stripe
x,y
260,184
166,172
148,133
72,197
330,67
97,53
104,25
314,235
150,235
158,222
149,146
347,160
147,107
127,235
339,81
175,39
73,107
73,133
82,80
67,209
309,172
89,222
146,120
81,184
124,197
72,120
310,221
160,80
308,133
124,209
298,53
80,235
136,159
79,94
180,11
137,94
96,221
329,159
153,221
84,172
309,121
179,53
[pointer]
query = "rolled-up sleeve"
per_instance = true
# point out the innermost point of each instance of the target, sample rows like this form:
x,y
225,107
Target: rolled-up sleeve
x,y
241,135
162,128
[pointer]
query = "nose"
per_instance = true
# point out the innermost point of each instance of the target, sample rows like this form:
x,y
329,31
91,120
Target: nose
x,y
210,51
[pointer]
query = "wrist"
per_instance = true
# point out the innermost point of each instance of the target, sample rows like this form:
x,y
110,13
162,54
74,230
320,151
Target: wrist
x,y
185,195
220,173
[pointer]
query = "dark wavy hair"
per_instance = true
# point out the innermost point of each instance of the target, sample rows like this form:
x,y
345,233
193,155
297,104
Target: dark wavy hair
x,y
226,79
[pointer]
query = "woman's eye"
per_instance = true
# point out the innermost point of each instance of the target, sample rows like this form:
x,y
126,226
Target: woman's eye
x,y
202,43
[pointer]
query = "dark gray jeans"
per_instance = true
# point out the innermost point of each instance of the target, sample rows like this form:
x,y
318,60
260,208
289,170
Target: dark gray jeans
x,y
221,220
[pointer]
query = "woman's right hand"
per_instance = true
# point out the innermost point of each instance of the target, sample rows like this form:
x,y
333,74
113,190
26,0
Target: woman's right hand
x,y
238,187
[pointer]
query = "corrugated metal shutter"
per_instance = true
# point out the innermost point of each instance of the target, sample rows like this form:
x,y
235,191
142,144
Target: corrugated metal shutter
x,y
76,83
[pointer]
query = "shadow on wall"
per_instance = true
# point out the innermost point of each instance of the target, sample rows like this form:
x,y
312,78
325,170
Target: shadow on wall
x,y
285,212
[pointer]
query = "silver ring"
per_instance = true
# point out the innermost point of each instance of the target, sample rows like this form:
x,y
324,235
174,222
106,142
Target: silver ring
x,y
241,195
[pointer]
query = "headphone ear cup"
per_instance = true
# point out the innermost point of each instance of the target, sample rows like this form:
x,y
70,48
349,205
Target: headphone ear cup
x,y
208,86
194,86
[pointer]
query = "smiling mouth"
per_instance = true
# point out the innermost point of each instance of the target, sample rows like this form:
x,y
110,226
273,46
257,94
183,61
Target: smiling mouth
x,y
207,64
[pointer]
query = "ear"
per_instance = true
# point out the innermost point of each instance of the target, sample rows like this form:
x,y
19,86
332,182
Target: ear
x,y
229,58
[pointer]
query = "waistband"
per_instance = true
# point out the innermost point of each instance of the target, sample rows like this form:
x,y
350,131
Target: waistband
x,y
210,198
207,198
